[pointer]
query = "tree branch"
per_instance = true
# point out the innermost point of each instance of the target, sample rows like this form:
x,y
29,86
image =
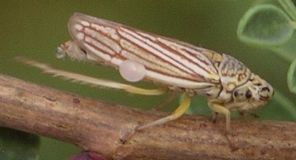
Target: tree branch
x,y
98,127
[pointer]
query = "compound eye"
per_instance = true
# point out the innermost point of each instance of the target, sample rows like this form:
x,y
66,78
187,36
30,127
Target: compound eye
x,y
239,95
248,94
242,94
236,94
265,89
266,93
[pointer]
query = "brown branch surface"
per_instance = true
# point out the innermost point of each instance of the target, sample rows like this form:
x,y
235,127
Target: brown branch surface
x,y
98,126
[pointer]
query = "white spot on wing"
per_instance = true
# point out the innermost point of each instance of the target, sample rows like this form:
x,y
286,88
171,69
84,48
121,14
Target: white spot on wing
x,y
132,71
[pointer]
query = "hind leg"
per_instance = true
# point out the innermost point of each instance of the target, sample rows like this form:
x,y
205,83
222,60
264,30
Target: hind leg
x,y
183,107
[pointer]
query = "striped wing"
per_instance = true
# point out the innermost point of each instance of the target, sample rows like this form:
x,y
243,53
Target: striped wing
x,y
166,60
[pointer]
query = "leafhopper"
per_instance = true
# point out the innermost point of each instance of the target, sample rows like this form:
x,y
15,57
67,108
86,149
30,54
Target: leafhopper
x,y
176,66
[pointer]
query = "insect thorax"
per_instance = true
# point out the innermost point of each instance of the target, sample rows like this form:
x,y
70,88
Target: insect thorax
x,y
232,74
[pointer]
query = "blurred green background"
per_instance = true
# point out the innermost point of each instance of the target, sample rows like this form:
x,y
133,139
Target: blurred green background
x,y
34,28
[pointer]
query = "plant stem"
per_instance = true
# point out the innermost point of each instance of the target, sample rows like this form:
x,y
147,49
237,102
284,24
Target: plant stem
x,y
99,127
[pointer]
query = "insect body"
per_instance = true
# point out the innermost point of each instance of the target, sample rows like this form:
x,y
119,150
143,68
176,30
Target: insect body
x,y
226,82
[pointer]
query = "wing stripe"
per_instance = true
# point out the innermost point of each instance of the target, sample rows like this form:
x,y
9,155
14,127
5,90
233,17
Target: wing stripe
x,y
112,45
167,61
96,46
199,53
92,46
192,53
148,63
154,67
200,65
177,48
97,51
97,38
174,47
99,32
100,53
139,50
99,45
195,69
192,57
130,36
154,61
94,42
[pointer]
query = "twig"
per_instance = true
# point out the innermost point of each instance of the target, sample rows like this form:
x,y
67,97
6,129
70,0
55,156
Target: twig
x,y
99,127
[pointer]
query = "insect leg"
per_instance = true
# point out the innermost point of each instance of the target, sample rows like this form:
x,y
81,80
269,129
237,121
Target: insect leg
x,y
214,117
141,91
221,109
91,80
183,107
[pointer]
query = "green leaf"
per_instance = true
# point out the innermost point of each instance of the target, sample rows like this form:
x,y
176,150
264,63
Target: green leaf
x,y
287,110
16,145
265,25
291,77
289,7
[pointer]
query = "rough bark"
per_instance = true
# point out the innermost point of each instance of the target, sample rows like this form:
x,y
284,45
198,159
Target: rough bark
x,y
99,127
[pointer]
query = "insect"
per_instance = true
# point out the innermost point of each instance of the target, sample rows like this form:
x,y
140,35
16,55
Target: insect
x,y
226,82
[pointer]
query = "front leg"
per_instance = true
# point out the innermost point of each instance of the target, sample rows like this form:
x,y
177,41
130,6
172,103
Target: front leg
x,y
218,108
